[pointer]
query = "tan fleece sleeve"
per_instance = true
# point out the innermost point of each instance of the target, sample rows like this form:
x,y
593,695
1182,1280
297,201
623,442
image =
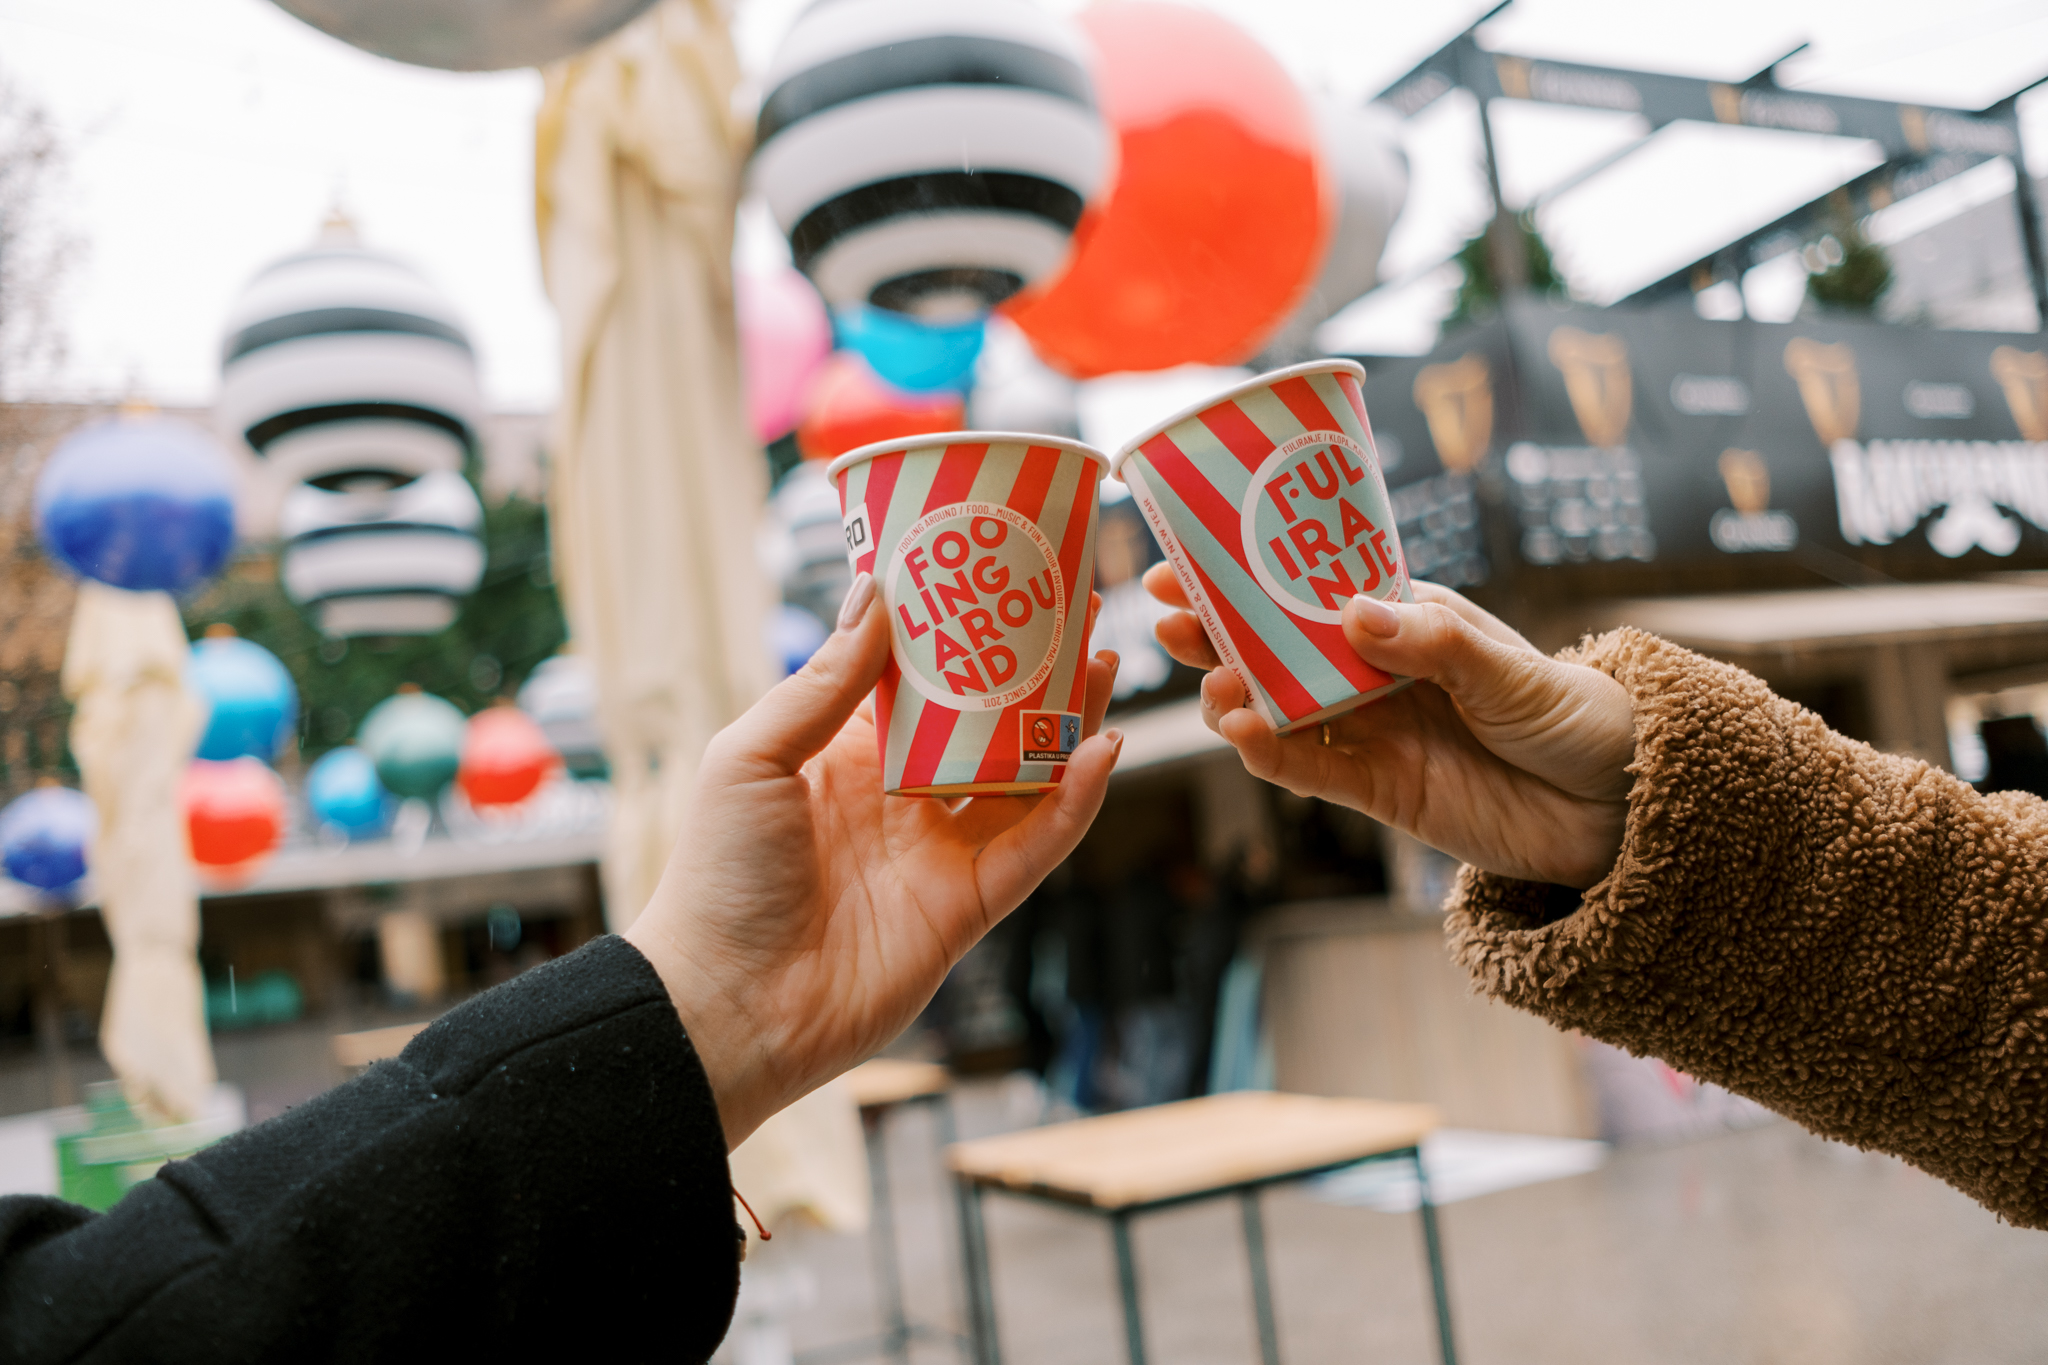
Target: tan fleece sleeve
x,y
1854,939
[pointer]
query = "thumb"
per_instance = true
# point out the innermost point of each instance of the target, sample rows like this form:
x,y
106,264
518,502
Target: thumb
x,y
1431,640
801,714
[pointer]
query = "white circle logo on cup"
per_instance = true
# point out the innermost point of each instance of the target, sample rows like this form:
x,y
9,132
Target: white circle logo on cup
x,y
1317,528
977,606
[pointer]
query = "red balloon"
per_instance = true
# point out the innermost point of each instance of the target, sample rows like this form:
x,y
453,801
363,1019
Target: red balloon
x,y
1220,212
234,811
849,405
505,758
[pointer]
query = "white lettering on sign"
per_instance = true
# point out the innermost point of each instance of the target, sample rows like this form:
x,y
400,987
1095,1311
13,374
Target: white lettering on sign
x,y
1955,133
1738,533
1883,489
1601,91
1766,109
1940,400
1710,395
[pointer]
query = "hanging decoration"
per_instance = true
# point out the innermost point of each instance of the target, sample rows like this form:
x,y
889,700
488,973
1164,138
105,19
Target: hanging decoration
x,y
1220,211
505,757
344,794
252,703
561,696
383,561
1361,145
784,338
234,812
849,405
915,356
344,368
931,159
467,35
415,740
46,837
140,502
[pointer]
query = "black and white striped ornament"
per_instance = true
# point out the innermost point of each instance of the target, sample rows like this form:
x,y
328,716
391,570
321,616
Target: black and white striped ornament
x,y
344,366
929,156
387,561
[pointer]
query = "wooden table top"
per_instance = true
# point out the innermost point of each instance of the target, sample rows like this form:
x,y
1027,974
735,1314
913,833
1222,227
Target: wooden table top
x,y
374,1044
885,1080
1192,1147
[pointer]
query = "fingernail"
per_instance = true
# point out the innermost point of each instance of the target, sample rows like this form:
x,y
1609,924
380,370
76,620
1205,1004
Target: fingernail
x,y
857,598
1116,741
1376,616
1112,658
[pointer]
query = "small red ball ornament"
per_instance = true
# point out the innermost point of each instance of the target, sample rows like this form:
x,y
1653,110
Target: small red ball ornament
x,y
234,811
505,757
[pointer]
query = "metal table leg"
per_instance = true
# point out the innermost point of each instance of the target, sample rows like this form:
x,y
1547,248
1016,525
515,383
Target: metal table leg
x,y
1127,1278
981,1301
1262,1289
888,1266
1432,1244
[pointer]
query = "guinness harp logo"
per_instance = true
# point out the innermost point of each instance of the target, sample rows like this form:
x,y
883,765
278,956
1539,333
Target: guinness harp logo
x,y
1596,379
2024,377
1748,480
1827,385
1457,400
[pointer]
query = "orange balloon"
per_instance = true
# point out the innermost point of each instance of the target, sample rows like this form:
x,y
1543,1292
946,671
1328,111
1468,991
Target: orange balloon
x,y
234,811
505,757
1220,212
850,405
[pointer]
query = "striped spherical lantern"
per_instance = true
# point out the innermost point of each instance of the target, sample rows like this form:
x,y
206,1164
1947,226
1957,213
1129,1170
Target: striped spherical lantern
x,y
343,366
389,561
929,158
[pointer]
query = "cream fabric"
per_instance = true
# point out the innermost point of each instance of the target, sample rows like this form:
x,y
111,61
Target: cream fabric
x,y
657,483
657,486
133,730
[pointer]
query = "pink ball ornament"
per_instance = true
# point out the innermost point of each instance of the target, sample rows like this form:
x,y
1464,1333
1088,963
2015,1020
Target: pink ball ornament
x,y
785,336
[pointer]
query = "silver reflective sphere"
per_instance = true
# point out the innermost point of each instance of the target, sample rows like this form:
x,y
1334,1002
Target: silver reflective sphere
x,y
467,35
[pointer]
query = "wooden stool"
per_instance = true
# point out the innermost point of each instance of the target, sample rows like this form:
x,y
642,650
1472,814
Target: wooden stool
x,y
878,1087
1122,1165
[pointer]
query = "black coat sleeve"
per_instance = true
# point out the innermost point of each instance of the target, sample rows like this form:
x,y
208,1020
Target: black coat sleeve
x,y
541,1174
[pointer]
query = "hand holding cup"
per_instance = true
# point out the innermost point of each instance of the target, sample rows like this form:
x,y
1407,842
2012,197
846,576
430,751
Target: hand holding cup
x,y
805,917
1499,756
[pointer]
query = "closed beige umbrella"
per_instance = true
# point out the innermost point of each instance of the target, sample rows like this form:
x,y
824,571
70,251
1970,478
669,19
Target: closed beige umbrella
x,y
133,730
657,485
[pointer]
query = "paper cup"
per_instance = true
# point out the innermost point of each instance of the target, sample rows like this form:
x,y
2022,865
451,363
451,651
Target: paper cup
x,y
983,546
1269,502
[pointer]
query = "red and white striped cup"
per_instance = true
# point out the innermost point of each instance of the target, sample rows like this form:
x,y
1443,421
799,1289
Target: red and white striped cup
x,y
983,546
1269,502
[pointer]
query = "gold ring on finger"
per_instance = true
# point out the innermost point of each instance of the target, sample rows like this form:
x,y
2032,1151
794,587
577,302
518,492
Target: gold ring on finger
x,y
1326,734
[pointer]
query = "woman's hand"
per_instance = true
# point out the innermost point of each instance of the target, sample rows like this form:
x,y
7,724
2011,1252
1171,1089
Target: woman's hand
x,y
804,918
1498,755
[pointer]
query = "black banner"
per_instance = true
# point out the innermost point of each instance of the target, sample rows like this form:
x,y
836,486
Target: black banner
x,y
1647,450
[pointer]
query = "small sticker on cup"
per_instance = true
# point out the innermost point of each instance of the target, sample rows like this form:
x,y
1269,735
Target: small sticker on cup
x,y
1050,736
858,541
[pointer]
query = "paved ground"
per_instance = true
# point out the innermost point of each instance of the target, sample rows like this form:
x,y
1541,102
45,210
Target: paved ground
x,y
1762,1247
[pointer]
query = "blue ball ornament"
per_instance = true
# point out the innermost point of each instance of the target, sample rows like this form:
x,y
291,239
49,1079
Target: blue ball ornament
x,y
142,503
46,837
911,354
254,703
343,790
